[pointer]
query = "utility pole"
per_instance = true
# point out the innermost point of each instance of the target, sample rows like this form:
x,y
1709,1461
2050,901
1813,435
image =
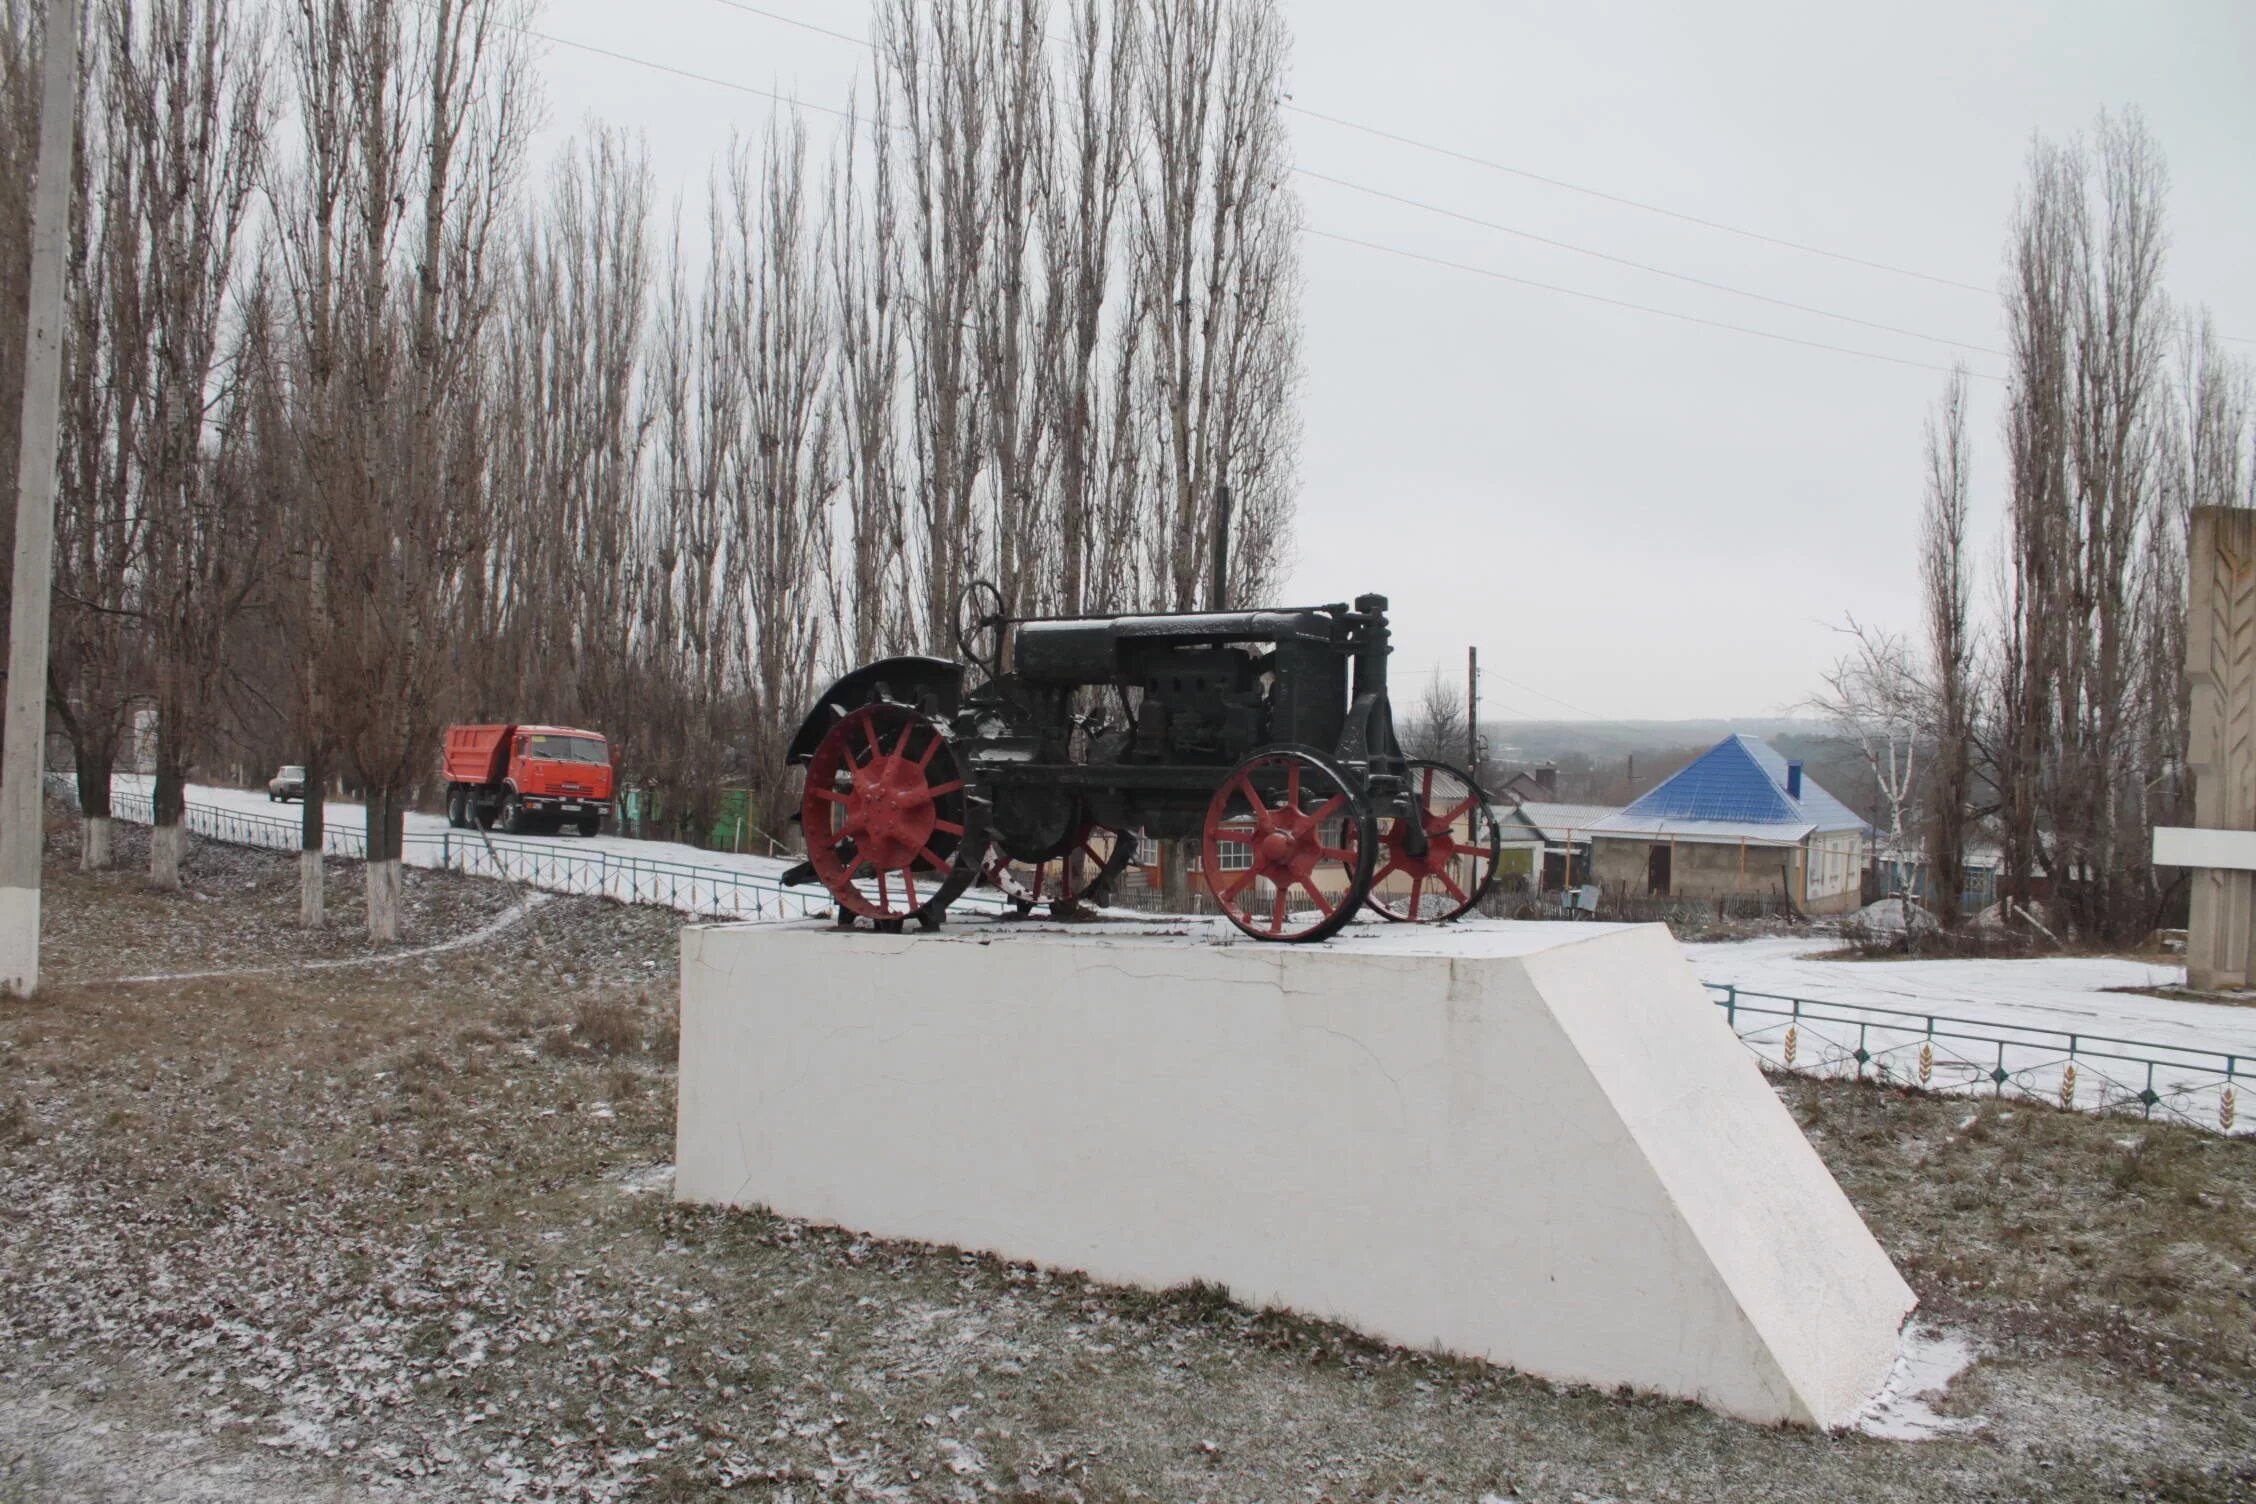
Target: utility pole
x,y
1472,713
23,752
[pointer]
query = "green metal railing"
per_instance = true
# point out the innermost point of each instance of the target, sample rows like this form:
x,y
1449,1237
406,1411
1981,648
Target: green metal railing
x,y
1943,1052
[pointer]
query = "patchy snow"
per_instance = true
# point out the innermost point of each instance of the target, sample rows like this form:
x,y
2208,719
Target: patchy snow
x,y
1892,916
2068,993
645,1180
667,873
1978,1017
1927,1359
508,919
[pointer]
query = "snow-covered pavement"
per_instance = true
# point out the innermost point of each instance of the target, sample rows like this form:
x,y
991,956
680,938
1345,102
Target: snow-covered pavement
x,y
350,817
1971,1022
2068,993
668,873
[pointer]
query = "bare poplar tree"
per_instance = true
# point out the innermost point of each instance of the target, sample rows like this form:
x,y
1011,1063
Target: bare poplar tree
x,y
694,593
1013,320
781,474
2085,565
21,44
939,63
423,110
2040,295
1216,279
1945,579
2124,324
187,82
552,612
97,664
1085,181
868,596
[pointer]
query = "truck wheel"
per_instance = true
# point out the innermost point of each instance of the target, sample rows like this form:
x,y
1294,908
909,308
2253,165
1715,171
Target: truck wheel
x,y
454,810
513,815
590,824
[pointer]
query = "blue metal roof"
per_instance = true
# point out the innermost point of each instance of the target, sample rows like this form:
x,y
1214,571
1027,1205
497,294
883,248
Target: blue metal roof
x,y
1741,780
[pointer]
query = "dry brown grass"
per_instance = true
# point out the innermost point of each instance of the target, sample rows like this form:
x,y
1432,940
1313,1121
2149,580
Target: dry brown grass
x,y
362,1227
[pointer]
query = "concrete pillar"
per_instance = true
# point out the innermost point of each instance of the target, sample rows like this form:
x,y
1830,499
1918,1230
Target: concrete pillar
x,y
2221,754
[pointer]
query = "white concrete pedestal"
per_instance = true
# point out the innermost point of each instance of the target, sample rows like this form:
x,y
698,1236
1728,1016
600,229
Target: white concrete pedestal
x,y
1536,1144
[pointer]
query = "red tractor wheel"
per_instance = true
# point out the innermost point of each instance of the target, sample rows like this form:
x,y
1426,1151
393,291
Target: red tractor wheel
x,y
1289,843
1084,871
885,817
1463,842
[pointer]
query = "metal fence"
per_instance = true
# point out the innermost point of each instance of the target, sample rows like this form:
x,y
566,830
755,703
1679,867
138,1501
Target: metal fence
x,y
1932,1051
559,866
1940,1052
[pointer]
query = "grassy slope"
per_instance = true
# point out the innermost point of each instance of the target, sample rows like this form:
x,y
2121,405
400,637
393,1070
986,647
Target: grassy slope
x,y
389,1228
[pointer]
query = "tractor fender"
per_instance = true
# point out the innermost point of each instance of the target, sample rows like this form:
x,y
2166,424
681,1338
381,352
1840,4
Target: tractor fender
x,y
931,685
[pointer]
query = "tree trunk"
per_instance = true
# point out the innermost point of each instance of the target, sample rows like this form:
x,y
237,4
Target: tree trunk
x,y
313,908
94,768
387,825
168,806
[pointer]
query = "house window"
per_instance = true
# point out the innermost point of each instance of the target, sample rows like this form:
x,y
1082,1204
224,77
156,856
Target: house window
x,y
1236,856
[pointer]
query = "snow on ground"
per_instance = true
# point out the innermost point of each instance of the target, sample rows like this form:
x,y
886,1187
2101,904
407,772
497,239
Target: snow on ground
x,y
1989,1018
667,873
350,817
2068,993
1992,1015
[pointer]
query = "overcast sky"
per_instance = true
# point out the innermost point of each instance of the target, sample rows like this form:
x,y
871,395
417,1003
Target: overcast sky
x,y
1630,515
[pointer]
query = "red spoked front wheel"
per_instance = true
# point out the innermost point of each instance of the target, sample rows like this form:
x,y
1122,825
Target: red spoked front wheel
x,y
1288,848
886,817
1463,842
1083,873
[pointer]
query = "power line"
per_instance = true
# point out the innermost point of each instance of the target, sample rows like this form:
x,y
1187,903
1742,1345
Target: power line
x,y
1324,234
1541,695
703,78
1571,187
1631,203
754,10
1666,313
1658,271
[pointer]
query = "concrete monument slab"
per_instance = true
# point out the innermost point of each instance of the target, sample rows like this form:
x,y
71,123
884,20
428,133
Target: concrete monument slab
x,y
1537,1144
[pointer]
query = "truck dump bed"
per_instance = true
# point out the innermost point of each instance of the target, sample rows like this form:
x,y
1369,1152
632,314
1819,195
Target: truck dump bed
x,y
477,754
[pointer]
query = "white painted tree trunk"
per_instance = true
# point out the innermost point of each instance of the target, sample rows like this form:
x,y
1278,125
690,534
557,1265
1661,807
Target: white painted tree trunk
x,y
383,901
94,845
167,845
313,907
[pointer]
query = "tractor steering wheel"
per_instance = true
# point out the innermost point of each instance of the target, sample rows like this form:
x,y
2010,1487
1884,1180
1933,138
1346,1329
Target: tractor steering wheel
x,y
982,618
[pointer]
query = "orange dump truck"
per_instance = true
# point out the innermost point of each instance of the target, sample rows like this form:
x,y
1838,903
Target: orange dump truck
x,y
529,780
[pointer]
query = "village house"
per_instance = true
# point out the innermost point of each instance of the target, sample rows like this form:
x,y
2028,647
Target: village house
x,y
1560,832
1739,819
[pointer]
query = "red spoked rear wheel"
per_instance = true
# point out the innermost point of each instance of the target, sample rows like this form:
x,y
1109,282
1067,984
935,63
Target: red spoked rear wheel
x,y
1083,873
1463,842
886,816
1288,848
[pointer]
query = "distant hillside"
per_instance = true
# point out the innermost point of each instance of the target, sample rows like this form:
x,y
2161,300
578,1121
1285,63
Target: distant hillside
x,y
1539,741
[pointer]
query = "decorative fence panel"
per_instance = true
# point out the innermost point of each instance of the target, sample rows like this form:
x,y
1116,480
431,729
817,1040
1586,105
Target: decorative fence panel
x,y
1940,1052
559,867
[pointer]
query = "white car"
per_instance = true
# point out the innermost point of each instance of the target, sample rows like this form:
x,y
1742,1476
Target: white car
x,y
287,783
